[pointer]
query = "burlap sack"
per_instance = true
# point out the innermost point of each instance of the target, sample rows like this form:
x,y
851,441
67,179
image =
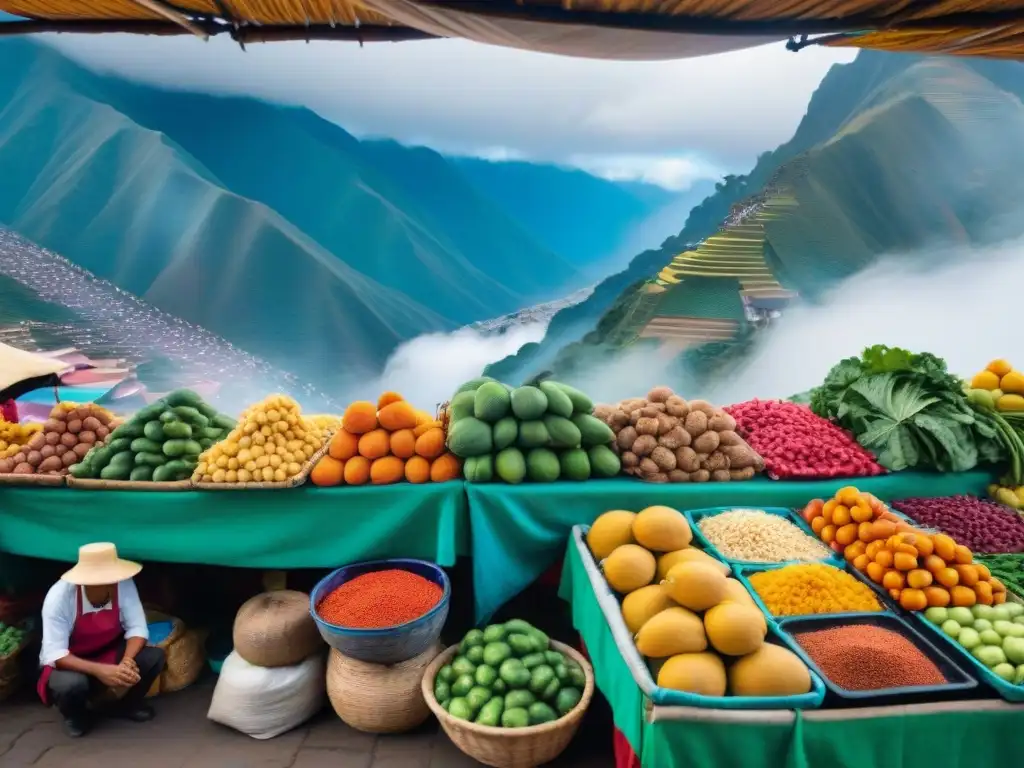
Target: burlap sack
x,y
274,629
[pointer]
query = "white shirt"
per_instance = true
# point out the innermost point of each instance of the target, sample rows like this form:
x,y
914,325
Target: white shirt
x,y
60,608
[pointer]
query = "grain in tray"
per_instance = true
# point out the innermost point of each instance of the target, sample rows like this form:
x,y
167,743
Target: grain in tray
x,y
802,589
757,536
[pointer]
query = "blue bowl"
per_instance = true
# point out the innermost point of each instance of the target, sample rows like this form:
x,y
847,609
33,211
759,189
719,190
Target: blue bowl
x,y
387,645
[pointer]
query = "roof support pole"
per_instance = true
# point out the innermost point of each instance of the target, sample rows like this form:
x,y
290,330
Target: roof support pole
x,y
170,14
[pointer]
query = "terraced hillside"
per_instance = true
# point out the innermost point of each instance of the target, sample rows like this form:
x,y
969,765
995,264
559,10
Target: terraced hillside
x,y
932,154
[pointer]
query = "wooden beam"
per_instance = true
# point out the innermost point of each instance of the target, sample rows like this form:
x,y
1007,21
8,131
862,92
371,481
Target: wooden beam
x,y
160,9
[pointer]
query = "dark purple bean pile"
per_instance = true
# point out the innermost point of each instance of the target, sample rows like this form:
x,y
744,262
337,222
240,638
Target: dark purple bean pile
x,y
982,526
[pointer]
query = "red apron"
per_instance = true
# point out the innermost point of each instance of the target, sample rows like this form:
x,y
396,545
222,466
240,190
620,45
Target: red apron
x,y
95,637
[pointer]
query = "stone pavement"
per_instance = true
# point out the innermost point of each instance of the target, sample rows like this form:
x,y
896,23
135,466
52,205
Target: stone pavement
x,y
182,737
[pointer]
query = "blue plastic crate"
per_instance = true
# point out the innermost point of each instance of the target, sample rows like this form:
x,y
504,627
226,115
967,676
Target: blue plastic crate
x,y
741,574
958,680
387,645
1007,691
696,515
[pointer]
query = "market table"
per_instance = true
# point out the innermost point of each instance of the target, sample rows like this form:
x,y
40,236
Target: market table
x,y
305,527
970,733
518,531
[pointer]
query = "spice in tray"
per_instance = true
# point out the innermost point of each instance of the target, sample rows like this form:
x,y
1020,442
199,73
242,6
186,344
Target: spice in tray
x,y
757,536
805,588
379,599
862,657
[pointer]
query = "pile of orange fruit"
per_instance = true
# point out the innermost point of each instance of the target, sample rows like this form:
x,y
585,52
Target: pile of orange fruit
x,y
386,442
919,570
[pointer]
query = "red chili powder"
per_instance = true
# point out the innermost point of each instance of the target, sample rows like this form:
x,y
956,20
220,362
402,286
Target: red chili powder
x,y
861,657
379,599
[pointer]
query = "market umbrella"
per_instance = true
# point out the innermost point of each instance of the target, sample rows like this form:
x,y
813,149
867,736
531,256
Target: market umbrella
x,y
22,372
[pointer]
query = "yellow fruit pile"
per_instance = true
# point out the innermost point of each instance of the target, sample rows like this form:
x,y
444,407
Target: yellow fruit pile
x,y
13,436
700,629
806,588
326,422
271,443
1004,385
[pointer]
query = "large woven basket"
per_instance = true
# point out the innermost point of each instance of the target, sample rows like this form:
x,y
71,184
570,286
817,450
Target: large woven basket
x,y
274,629
185,655
510,747
375,698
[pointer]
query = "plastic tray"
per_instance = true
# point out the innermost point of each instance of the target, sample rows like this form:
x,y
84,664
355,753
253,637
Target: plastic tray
x,y
387,645
958,681
696,515
610,608
741,572
882,592
1007,691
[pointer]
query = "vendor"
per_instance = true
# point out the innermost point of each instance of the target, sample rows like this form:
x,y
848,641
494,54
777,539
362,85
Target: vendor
x,y
94,638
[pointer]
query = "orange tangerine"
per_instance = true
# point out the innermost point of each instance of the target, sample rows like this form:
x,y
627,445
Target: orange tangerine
x,y
893,580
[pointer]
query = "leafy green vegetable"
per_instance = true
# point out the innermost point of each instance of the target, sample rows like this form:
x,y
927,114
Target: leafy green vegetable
x,y
908,410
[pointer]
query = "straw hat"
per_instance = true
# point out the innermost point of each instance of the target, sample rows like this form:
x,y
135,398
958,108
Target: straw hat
x,y
98,565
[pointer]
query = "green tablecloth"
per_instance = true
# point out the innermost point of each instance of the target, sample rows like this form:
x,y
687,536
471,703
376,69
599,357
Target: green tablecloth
x,y
305,527
520,531
973,733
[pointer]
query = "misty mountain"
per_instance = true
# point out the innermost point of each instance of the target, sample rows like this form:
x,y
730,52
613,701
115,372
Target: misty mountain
x,y
895,153
267,225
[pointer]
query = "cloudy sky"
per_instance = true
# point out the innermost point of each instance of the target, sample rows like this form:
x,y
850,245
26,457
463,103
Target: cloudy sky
x,y
666,122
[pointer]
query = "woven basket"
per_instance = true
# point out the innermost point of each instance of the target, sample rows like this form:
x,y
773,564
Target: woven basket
x,y
274,629
375,698
10,669
129,485
292,482
184,651
45,481
510,747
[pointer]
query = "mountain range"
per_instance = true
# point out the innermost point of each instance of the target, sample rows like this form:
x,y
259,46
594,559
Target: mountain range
x,y
277,229
895,153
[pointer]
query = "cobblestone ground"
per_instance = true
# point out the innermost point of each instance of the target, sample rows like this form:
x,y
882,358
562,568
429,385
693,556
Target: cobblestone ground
x,y
182,737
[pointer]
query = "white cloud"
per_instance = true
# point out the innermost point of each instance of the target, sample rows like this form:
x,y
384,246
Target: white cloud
x,y
672,118
675,173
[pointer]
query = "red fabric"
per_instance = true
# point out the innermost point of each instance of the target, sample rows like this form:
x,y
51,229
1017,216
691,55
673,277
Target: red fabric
x,y
9,411
625,757
95,637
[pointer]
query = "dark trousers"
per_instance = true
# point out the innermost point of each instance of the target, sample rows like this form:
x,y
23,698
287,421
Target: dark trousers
x,y
70,691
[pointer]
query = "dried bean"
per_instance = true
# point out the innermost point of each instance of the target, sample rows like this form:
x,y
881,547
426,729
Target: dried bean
x,y
981,526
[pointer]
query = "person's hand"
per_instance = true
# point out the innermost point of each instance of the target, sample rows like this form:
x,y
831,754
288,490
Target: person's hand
x,y
131,666
117,676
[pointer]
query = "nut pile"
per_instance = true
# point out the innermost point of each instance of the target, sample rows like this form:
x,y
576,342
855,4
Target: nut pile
x,y
67,435
757,536
665,439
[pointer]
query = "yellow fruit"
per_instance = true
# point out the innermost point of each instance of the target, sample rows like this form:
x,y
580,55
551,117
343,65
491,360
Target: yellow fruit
x,y
999,367
610,530
985,380
697,586
641,605
1010,403
735,629
688,555
628,568
1012,383
673,630
662,529
702,673
771,670
737,593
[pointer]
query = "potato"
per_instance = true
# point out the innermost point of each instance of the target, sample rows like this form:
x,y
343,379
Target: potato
x,y
34,458
729,437
675,438
55,425
626,437
618,419
649,467
678,476
696,423
667,423
652,410
101,434
69,439
647,426
603,412
721,476
630,459
704,407
663,458
6,466
47,451
700,476
91,424
88,437
676,406
633,404
722,422
24,468
81,449
715,462
75,426
69,458
51,464
741,474
60,450
52,438
706,443
644,444
20,457
660,394
635,416
38,441
686,459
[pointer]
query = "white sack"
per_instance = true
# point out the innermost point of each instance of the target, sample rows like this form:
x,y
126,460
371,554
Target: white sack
x,y
265,703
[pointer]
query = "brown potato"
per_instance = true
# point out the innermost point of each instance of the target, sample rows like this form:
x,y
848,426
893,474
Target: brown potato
x,y
88,437
720,476
649,467
24,468
729,437
20,457
630,459
663,458
47,451
51,464
741,474
633,404
626,437
644,444
75,426
61,450
81,449
700,476
686,459
722,422
667,423
696,423
704,407
54,425
706,443
656,477
101,433
647,426
69,458
715,461
38,441
618,419
52,438
6,466
652,410
660,394
677,406
34,458
91,424
674,438
69,439
678,476
603,412
635,416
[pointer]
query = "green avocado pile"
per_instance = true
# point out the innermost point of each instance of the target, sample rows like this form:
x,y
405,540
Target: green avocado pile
x,y
542,431
507,676
160,443
10,639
